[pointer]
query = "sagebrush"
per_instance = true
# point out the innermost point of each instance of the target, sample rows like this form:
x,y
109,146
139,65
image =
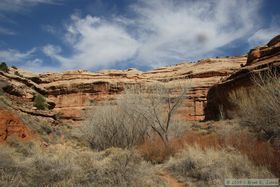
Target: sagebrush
x,y
209,167
63,165
260,110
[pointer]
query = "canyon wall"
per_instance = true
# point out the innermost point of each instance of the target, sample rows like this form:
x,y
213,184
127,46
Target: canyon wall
x,y
75,91
210,82
70,93
260,60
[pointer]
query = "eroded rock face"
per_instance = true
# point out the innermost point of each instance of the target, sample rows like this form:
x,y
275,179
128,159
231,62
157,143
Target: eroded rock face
x,y
70,93
74,91
260,60
11,125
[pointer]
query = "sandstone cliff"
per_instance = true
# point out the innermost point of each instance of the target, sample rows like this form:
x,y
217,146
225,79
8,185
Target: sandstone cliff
x,y
11,125
74,91
260,60
69,93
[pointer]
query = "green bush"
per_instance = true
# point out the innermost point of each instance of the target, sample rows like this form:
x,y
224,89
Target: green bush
x,y
40,102
4,67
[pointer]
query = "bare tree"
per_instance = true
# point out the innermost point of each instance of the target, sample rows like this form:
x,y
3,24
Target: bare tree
x,y
156,103
136,114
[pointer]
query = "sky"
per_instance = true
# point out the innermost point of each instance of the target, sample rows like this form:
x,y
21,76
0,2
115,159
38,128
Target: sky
x,y
59,35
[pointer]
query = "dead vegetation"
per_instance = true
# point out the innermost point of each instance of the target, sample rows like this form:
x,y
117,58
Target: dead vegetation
x,y
229,136
64,165
142,119
260,109
114,126
209,167
137,114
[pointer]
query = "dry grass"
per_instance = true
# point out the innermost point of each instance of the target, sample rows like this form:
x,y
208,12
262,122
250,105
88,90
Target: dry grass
x,y
65,165
155,151
259,152
259,109
114,126
262,153
209,167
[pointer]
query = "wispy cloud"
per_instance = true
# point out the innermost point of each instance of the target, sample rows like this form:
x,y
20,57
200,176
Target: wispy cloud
x,y
50,29
263,35
175,30
7,6
5,31
163,32
160,32
15,56
26,60
96,43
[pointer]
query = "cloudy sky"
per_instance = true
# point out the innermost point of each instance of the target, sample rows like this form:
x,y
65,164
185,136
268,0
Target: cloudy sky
x,y
56,35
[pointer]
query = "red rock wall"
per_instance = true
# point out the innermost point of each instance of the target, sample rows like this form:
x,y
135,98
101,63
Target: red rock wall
x,y
75,91
260,60
11,125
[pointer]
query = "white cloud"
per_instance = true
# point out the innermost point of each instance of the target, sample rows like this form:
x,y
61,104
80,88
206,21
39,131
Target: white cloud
x,y
262,36
96,43
16,5
15,56
37,65
184,30
34,62
5,31
25,60
50,29
163,32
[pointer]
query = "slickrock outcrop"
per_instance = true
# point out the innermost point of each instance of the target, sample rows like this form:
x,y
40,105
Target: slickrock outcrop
x,y
11,125
260,60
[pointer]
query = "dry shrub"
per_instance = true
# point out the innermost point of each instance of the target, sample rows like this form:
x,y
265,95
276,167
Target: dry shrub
x,y
259,109
202,140
153,148
155,151
209,167
114,126
64,165
139,111
260,152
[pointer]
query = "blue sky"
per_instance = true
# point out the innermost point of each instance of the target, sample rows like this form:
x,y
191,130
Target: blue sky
x,y
57,35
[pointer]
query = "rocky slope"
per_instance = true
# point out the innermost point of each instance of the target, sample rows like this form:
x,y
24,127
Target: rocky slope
x,y
260,60
11,125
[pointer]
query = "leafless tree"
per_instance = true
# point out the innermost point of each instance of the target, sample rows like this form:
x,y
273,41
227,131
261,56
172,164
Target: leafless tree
x,y
156,103
136,114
